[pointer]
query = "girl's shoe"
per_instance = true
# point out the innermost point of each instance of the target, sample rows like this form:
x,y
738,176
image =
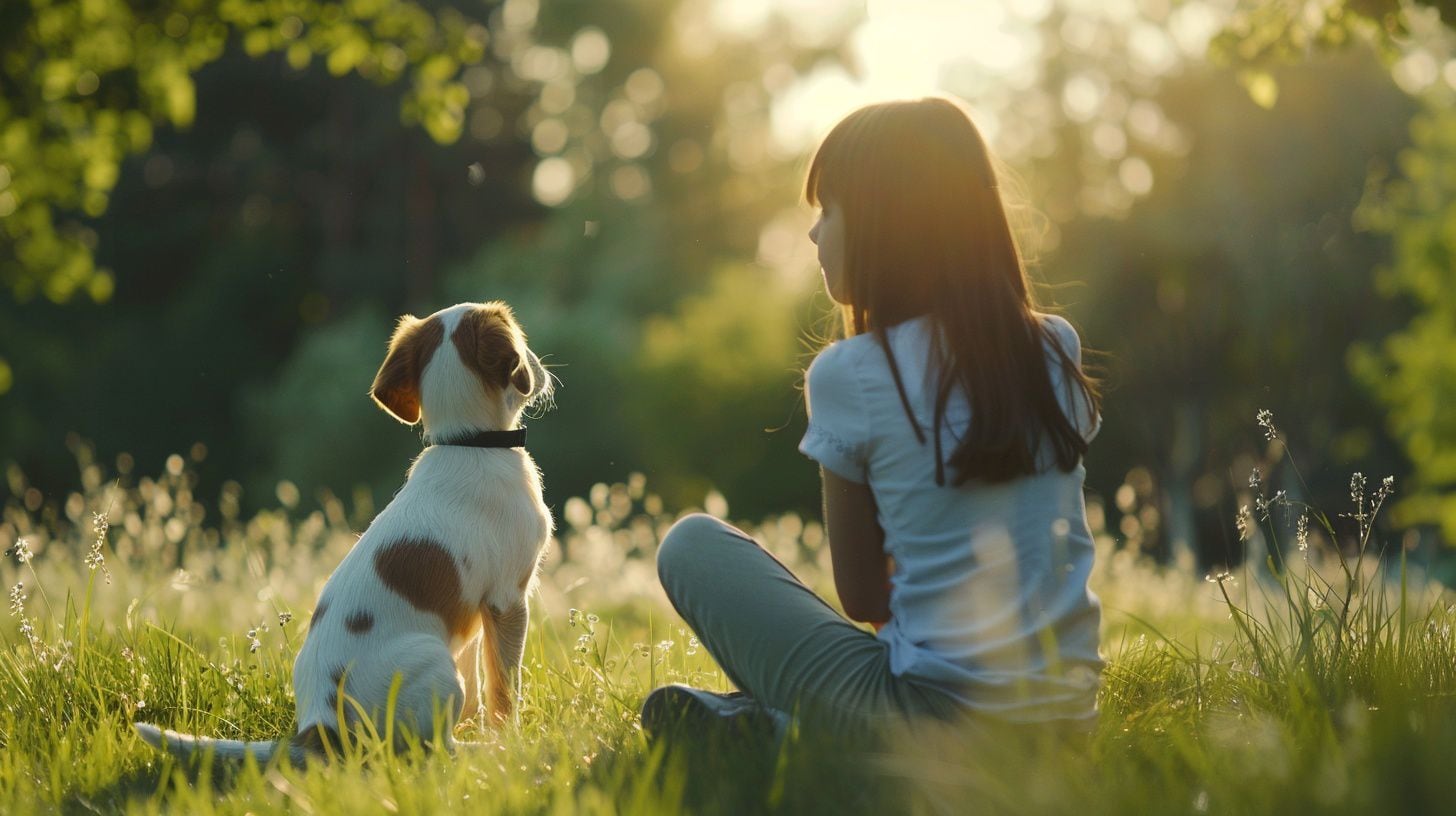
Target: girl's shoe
x,y
678,709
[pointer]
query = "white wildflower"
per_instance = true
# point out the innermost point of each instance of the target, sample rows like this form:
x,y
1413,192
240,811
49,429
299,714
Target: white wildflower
x,y
21,551
1265,418
94,559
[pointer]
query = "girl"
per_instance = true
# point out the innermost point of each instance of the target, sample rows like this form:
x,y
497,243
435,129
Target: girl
x,y
949,427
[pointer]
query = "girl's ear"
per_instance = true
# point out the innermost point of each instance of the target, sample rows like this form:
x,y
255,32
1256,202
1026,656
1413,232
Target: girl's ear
x,y
397,385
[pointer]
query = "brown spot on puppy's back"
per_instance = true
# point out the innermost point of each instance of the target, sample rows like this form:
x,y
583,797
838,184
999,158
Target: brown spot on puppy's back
x,y
359,622
423,573
490,342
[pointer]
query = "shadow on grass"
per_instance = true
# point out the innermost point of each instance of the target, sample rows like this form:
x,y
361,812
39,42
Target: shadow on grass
x,y
806,773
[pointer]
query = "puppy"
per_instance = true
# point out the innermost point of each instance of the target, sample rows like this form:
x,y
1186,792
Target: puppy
x,y
442,573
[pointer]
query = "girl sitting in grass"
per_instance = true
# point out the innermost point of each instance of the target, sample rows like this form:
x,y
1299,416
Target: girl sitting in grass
x,y
949,427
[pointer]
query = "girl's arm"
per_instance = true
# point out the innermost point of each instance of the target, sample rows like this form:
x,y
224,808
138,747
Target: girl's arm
x,y
857,549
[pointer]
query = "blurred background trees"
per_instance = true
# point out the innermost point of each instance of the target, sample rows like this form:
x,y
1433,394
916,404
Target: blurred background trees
x,y
1206,188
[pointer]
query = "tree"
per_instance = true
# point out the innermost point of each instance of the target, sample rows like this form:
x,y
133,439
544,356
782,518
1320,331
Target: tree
x,y
83,85
1411,372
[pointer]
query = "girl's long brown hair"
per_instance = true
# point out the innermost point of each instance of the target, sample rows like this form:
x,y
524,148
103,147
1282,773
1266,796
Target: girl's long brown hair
x,y
926,234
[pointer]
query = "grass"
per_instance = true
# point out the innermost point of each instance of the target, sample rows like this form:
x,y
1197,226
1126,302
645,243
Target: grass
x,y
1321,684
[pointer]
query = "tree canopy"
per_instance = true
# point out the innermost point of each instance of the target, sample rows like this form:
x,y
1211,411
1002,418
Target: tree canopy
x,y
84,83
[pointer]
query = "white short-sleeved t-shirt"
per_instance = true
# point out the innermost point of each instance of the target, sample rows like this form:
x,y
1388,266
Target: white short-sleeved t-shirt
x,y
989,597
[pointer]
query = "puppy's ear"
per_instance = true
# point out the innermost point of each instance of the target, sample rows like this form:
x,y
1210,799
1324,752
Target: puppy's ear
x,y
523,379
397,385
490,343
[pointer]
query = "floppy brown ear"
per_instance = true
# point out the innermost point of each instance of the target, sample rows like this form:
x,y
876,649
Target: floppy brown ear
x,y
490,344
523,378
397,385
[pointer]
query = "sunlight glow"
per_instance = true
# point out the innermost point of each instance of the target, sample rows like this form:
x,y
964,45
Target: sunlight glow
x,y
988,52
903,49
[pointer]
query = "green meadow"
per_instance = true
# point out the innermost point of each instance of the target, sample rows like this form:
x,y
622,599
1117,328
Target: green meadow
x,y
1320,681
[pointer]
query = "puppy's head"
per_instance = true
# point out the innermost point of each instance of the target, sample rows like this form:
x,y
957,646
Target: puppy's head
x,y
467,365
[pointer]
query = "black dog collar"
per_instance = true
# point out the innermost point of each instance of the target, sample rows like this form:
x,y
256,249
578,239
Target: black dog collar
x,y
485,439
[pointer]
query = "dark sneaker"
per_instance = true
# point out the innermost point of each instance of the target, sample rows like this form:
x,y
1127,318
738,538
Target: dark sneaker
x,y
677,709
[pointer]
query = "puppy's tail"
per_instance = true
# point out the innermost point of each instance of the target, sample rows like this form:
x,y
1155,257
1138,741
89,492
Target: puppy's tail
x,y
188,746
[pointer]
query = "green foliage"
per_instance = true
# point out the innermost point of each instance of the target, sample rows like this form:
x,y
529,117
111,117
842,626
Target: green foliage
x,y
84,83
1262,34
1413,371
719,381
1237,284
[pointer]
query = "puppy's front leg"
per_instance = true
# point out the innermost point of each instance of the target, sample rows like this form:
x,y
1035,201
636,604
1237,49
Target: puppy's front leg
x,y
507,629
468,664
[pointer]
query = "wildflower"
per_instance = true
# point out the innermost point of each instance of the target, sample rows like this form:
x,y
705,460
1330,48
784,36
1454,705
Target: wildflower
x,y
1255,479
583,644
1265,418
571,616
253,643
1224,577
1301,532
284,618
1387,487
17,600
1357,489
1242,522
664,646
21,551
94,559
693,645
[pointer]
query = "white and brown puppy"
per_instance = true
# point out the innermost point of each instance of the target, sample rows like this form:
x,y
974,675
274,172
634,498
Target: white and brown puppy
x,y
443,572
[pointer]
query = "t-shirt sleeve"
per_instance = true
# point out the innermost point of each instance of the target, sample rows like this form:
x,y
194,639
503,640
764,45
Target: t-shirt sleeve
x,y
838,433
1081,413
